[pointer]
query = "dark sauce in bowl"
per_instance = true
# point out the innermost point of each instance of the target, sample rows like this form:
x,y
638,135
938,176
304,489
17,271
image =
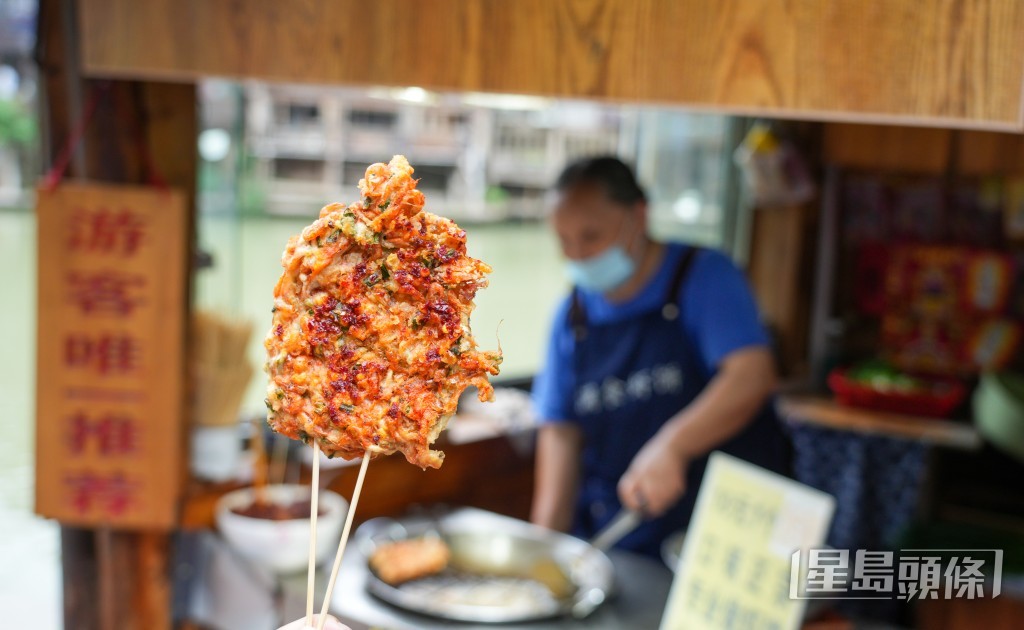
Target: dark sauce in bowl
x,y
278,511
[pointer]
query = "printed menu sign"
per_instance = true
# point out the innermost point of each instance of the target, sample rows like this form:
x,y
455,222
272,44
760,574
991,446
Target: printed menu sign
x,y
110,354
734,571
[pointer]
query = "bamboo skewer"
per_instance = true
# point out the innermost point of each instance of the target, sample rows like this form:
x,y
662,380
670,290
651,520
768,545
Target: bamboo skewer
x,y
313,513
344,538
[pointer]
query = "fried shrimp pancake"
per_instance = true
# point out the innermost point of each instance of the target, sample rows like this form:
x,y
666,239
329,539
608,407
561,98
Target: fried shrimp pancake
x,y
370,346
407,560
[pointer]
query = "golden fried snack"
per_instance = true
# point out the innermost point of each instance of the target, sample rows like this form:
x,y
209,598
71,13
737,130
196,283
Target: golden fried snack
x,y
370,346
406,560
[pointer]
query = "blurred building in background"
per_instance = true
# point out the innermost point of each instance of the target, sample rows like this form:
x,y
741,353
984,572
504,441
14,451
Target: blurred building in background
x,y
479,157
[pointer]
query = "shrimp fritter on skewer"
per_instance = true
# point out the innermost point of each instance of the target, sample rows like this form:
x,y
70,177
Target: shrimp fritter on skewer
x,y
370,346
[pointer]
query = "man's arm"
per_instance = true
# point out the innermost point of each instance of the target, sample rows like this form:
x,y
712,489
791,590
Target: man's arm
x,y
656,477
557,473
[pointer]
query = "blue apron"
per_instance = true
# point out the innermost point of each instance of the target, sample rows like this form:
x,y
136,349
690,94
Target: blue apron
x,y
630,377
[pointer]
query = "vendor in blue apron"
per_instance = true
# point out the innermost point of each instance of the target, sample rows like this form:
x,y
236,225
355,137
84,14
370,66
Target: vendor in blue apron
x,y
656,358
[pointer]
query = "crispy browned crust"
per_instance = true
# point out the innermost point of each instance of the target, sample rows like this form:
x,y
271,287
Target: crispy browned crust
x,y
370,346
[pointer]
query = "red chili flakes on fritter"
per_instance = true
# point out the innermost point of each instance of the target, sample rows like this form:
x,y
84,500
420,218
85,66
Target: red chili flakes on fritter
x,y
370,347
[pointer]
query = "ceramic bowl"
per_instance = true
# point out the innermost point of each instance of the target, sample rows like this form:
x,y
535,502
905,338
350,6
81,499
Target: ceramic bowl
x,y
999,411
281,546
216,452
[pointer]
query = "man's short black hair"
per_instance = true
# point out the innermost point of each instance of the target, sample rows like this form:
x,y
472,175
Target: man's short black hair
x,y
607,171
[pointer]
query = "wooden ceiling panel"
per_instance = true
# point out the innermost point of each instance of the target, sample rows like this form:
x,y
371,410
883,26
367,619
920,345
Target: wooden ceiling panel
x,y
927,62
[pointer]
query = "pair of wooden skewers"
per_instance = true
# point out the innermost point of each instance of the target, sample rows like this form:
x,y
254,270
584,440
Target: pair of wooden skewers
x,y
313,509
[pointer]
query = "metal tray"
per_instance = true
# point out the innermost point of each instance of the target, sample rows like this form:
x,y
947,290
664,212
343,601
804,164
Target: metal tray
x,y
502,570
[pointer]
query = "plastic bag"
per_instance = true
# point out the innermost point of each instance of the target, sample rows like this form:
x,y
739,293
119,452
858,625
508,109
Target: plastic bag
x,y
773,169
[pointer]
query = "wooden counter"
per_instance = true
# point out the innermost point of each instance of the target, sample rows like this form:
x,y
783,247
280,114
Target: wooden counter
x,y
489,474
826,412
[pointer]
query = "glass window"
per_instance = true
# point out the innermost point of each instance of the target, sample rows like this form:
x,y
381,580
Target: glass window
x,y
683,161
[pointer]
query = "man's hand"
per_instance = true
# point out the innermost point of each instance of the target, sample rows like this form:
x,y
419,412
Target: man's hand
x,y
655,479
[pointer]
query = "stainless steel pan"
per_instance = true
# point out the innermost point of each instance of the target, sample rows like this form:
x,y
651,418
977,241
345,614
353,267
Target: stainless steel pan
x,y
502,570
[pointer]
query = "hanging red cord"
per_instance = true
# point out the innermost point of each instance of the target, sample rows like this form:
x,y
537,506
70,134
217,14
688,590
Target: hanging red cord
x,y
153,176
60,165
56,173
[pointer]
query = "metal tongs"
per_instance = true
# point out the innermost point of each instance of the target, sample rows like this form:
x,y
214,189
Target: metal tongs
x,y
616,529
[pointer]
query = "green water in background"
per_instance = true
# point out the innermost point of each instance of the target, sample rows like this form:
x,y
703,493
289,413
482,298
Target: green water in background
x,y
525,286
17,367
29,546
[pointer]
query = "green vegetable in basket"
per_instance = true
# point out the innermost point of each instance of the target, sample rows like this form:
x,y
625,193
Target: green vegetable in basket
x,y
884,377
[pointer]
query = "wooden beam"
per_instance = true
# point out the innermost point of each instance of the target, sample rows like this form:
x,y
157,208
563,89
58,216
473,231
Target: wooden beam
x,y
988,154
912,150
888,148
80,578
928,62
141,132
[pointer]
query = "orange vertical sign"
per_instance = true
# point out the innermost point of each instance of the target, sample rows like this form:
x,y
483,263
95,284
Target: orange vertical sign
x,y
110,354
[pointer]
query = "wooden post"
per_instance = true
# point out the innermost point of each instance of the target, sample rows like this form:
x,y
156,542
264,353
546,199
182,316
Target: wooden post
x,y
780,269
142,132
